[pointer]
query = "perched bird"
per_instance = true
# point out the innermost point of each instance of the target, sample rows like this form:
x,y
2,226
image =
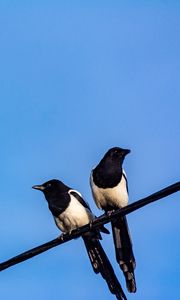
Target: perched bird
x,y
70,211
110,191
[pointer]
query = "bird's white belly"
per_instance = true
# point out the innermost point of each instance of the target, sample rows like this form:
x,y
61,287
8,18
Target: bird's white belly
x,y
117,196
76,215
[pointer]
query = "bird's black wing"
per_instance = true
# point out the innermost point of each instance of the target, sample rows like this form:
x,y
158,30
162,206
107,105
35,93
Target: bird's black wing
x,y
79,198
86,205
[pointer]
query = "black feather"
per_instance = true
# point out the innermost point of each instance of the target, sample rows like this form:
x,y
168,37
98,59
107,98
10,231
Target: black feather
x,y
80,199
102,265
124,252
59,197
106,179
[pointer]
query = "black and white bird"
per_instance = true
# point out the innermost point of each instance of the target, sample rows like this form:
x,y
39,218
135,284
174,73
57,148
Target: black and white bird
x,y
110,191
70,211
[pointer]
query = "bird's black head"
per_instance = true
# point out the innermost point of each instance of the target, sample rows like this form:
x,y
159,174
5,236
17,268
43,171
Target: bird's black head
x,y
52,187
108,172
116,154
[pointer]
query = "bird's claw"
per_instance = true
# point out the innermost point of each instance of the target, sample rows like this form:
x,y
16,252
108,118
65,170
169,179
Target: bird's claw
x,y
110,212
90,224
64,234
61,237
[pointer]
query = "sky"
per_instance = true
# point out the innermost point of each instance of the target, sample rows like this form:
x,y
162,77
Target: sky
x,y
76,78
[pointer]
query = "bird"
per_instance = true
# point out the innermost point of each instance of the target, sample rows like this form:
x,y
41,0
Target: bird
x,y
71,211
109,188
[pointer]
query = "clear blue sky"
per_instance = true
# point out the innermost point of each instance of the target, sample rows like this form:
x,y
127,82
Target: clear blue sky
x,y
78,77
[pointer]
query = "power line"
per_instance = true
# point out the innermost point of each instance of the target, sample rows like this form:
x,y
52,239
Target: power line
x,y
104,219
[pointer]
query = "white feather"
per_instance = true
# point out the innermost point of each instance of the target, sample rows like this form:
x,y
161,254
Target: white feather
x,y
75,215
110,196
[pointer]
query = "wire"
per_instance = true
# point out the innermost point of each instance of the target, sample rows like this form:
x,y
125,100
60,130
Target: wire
x,y
103,219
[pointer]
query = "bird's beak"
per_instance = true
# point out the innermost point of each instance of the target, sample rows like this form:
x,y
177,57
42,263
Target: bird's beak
x,y
126,151
38,187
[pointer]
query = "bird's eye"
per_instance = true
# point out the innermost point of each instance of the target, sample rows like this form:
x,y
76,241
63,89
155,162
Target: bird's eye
x,y
49,185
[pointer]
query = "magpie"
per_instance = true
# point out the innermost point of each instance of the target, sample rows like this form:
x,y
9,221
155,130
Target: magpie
x,y
71,211
110,191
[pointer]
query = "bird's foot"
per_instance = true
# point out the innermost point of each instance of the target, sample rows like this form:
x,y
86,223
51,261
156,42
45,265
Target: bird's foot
x,y
90,224
69,232
61,237
110,212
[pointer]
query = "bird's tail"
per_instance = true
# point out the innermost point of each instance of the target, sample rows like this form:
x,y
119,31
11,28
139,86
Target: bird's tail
x,y
124,252
102,265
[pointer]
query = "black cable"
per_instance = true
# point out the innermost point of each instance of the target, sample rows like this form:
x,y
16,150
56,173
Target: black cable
x,y
95,224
